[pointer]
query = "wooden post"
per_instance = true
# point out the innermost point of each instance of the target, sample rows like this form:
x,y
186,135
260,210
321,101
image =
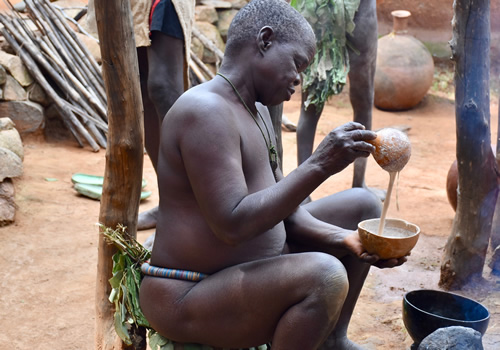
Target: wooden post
x,y
467,245
124,153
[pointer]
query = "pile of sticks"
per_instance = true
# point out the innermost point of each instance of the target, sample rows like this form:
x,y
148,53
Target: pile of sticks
x,y
63,66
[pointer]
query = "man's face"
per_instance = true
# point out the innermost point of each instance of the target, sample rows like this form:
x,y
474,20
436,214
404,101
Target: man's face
x,y
280,68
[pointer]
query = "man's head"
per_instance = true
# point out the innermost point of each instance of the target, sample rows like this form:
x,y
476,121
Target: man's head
x,y
287,24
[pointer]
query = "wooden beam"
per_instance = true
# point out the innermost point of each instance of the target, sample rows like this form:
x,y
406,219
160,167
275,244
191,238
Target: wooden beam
x,y
124,154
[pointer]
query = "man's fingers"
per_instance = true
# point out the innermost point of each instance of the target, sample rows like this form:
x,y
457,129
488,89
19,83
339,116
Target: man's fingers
x,y
363,135
364,147
353,126
369,258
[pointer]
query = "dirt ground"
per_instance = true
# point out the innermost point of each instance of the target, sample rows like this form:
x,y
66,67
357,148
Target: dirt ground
x,y
48,257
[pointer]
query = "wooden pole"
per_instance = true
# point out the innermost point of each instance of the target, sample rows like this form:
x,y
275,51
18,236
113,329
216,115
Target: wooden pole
x,y
124,154
467,245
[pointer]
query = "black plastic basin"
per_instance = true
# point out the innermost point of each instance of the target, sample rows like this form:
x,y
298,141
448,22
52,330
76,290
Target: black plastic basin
x,y
425,310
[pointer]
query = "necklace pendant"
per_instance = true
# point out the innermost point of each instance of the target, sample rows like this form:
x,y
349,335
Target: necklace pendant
x,y
274,165
273,158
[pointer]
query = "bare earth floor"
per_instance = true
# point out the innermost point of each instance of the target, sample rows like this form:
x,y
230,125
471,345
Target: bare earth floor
x,y
48,257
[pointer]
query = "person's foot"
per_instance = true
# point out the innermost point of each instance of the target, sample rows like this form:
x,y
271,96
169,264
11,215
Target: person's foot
x,y
147,219
287,124
149,242
340,344
381,194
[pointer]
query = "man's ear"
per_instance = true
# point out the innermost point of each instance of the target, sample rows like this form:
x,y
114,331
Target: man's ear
x,y
265,38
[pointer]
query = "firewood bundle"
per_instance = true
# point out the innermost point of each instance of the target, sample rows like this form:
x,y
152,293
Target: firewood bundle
x,y
63,66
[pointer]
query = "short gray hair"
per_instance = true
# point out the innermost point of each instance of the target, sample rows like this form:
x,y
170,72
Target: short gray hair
x,y
287,23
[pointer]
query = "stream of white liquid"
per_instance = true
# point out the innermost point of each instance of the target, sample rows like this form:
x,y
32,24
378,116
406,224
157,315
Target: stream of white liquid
x,y
392,176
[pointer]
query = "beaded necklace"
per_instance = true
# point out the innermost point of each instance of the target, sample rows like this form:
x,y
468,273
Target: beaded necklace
x,y
273,155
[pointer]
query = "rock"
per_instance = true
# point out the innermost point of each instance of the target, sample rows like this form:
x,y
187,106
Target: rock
x,y
211,32
10,138
452,338
92,45
10,164
54,128
205,13
6,124
197,47
27,116
13,91
71,7
20,6
217,4
3,75
225,18
5,46
7,204
237,4
38,95
16,68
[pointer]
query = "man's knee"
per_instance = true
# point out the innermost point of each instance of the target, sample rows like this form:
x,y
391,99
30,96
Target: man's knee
x,y
164,89
370,205
328,276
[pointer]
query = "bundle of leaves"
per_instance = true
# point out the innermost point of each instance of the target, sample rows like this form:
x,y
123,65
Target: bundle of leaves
x,y
125,284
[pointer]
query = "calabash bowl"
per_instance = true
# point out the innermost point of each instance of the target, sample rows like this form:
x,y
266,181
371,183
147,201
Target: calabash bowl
x,y
398,239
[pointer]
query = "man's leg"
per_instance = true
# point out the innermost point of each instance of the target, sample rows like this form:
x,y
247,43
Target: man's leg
x,y
146,219
306,130
362,74
165,83
346,209
293,300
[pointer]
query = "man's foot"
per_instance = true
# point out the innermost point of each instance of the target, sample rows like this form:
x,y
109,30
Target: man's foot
x,y
147,219
340,344
287,124
149,242
381,194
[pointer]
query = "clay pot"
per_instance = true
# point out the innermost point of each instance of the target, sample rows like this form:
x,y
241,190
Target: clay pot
x,y
403,238
452,182
404,70
452,185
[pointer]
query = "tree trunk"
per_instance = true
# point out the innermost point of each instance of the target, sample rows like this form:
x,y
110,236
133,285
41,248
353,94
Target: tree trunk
x,y
467,245
124,153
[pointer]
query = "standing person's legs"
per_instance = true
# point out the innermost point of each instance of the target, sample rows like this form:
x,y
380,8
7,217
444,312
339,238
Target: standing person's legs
x,y
362,74
306,129
346,209
147,219
164,84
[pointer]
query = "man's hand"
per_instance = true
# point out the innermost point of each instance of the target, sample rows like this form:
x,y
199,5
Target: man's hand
x,y
342,146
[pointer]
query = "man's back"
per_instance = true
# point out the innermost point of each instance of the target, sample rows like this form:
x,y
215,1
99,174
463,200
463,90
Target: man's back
x,y
205,132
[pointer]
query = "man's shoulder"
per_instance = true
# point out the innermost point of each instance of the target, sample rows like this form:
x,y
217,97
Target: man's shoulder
x,y
200,98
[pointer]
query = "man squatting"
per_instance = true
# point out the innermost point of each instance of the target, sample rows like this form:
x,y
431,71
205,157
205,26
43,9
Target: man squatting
x,y
265,269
